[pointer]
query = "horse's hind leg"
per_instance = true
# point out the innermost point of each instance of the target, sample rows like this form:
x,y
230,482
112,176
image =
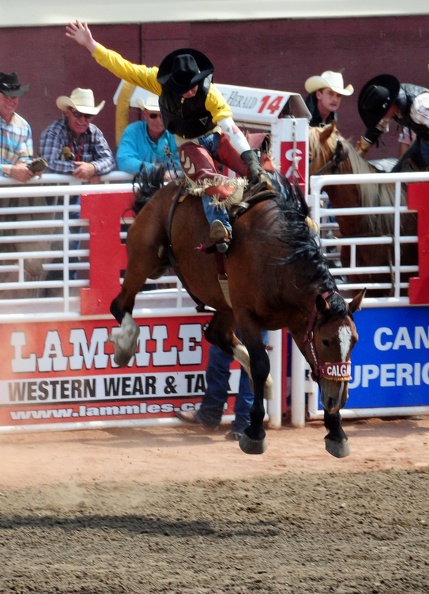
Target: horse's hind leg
x,y
143,262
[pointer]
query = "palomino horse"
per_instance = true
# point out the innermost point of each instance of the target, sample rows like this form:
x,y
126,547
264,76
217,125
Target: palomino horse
x,y
277,278
331,153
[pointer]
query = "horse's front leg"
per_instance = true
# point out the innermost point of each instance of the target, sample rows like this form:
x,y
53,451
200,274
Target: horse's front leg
x,y
125,340
253,440
143,263
336,442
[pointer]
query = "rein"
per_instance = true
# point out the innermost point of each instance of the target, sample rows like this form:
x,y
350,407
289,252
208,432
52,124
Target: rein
x,y
331,371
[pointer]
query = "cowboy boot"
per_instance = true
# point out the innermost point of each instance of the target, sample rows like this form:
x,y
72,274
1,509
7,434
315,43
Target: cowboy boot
x,y
221,235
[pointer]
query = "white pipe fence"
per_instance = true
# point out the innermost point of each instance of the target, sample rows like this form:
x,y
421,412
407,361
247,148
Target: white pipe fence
x,y
44,260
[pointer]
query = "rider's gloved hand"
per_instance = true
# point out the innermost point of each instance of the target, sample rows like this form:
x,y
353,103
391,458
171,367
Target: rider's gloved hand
x,y
372,135
251,160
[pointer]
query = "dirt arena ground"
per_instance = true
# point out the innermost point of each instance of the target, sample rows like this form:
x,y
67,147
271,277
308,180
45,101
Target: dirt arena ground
x,y
178,510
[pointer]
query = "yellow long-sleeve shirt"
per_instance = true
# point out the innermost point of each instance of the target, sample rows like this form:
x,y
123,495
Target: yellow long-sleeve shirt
x,y
145,77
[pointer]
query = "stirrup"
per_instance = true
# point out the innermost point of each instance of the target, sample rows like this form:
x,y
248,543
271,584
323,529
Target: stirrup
x,y
222,247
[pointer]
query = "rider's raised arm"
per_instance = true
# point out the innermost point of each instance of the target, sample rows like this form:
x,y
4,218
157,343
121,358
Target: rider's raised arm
x,y
81,33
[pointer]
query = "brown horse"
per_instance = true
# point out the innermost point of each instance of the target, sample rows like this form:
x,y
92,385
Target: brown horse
x,y
277,277
330,153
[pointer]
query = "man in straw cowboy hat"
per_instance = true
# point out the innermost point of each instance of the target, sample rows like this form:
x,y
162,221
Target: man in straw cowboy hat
x,y
195,111
146,142
325,94
73,144
384,98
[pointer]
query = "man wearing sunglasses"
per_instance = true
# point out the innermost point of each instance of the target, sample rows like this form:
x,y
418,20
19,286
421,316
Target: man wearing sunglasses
x,y
147,142
73,144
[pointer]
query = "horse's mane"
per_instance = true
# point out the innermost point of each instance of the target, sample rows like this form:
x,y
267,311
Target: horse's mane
x,y
369,195
145,183
301,242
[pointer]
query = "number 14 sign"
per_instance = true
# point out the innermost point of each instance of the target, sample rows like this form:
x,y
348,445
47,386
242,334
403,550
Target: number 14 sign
x,y
262,106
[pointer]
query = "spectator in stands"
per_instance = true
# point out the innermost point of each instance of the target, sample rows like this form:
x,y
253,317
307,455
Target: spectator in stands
x,y
324,98
213,402
16,149
73,144
147,142
16,155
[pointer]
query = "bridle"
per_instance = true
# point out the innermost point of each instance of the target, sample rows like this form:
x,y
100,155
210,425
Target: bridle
x,y
331,371
340,154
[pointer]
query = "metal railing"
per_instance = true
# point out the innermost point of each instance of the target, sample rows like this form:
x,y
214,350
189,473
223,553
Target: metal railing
x,y
324,214
44,254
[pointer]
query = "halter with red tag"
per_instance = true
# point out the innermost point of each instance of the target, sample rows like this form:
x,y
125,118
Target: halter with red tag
x,y
331,371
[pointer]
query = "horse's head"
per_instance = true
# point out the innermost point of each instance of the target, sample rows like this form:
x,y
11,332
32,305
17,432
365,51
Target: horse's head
x,y
327,149
328,343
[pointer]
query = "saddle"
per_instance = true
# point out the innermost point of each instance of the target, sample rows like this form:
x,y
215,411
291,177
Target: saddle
x,y
256,193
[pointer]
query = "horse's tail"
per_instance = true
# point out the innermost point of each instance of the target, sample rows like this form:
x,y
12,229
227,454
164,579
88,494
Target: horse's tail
x,y
146,183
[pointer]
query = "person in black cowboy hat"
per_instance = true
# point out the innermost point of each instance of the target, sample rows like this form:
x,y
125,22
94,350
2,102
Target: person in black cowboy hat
x,y
195,111
14,131
384,98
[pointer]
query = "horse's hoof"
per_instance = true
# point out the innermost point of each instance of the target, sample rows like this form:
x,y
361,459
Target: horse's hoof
x,y
125,341
252,446
339,449
121,359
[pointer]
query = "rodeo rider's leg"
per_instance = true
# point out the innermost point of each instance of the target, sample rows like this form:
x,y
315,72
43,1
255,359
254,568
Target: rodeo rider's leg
x,y
200,167
227,155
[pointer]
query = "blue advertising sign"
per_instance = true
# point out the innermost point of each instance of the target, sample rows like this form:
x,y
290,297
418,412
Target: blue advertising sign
x,y
390,363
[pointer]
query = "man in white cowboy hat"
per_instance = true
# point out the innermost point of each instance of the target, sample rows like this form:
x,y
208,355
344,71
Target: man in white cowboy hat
x,y
146,142
73,144
384,98
196,112
324,98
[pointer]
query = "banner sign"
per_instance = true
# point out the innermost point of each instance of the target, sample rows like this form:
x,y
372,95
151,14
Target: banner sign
x,y
390,363
63,372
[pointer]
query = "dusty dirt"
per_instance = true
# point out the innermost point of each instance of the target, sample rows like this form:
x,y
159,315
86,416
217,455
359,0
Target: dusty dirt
x,y
178,510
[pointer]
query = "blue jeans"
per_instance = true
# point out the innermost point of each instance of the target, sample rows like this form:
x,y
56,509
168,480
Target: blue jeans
x,y
210,142
216,212
216,394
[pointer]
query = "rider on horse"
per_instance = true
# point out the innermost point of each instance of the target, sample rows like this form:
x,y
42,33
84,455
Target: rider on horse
x,y
384,98
195,111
